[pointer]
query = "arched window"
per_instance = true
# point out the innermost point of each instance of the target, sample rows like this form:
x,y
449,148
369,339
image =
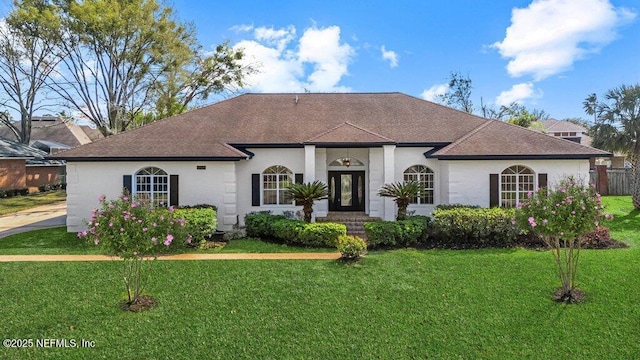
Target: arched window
x,y
424,176
515,182
275,181
152,184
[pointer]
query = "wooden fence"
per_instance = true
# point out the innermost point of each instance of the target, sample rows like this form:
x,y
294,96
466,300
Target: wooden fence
x,y
619,181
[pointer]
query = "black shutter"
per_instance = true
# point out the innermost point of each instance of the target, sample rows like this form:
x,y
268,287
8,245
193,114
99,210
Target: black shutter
x,y
173,188
126,183
255,189
494,193
542,180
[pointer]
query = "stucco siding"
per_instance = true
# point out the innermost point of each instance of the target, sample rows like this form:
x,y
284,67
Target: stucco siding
x,y
293,159
409,156
468,181
215,185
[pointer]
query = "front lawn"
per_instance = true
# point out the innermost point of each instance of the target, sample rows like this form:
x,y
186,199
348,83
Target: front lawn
x,y
19,203
58,241
489,304
625,225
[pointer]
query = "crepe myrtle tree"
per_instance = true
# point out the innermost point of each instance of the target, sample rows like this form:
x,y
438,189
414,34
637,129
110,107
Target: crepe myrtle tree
x,y
562,217
306,194
403,193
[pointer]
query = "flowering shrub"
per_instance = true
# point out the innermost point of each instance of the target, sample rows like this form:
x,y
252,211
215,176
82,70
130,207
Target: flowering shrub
x,y
562,217
133,230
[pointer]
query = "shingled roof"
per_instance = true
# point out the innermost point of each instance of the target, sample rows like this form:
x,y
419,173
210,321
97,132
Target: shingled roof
x,y
221,130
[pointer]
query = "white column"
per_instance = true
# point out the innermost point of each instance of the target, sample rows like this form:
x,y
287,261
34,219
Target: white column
x,y
389,177
309,163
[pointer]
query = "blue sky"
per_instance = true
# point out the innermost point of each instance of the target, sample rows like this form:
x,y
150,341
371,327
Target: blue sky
x,y
544,54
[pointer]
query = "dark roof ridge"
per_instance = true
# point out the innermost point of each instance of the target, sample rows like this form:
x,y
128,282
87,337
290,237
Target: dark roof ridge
x,y
326,93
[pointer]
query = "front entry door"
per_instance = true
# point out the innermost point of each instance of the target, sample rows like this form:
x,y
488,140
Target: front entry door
x,y
346,190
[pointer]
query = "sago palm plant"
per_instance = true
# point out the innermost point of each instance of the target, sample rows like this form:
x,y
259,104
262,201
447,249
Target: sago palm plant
x,y
305,194
403,192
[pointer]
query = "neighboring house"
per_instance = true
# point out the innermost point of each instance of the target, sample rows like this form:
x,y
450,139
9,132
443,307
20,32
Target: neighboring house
x,y
55,133
240,154
579,134
23,166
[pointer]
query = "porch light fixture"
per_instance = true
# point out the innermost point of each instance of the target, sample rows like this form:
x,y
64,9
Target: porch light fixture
x,y
346,161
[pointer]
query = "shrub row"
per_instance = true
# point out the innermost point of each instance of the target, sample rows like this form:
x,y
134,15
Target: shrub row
x,y
467,227
13,192
200,221
279,229
409,232
51,187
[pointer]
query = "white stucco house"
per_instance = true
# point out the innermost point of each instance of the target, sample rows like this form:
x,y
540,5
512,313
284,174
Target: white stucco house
x,y
241,153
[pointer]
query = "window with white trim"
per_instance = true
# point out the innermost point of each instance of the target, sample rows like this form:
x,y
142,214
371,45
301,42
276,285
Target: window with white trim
x,y
515,182
152,184
424,176
275,182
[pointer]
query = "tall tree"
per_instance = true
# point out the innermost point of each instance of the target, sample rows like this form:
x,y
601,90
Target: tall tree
x,y
458,94
196,77
27,59
617,128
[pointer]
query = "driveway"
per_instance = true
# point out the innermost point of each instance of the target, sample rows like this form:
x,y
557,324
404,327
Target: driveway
x,y
41,217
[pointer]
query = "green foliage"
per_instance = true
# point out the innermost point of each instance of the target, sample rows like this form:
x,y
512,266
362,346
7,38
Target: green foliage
x,y
322,234
258,224
464,227
409,232
617,128
403,193
305,194
200,222
351,247
133,230
287,230
279,229
456,206
562,217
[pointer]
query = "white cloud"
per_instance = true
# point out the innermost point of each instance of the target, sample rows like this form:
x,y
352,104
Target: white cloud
x,y
548,36
390,56
433,93
518,94
281,61
241,28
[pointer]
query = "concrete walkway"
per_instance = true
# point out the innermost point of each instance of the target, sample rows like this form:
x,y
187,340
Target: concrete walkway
x,y
253,256
41,217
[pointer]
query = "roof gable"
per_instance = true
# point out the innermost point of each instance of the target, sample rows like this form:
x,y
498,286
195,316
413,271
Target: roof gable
x,y
497,139
348,133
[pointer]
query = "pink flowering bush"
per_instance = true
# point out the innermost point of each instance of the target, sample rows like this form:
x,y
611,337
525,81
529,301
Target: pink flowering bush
x,y
562,217
134,230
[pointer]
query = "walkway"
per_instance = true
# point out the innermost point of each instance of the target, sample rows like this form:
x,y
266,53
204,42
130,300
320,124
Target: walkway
x,y
41,217
245,256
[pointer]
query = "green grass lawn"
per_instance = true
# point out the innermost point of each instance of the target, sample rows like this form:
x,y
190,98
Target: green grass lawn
x,y
403,304
18,203
57,241
490,304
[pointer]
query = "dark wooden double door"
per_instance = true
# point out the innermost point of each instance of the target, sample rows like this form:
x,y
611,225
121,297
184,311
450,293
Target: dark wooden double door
x,y
346,190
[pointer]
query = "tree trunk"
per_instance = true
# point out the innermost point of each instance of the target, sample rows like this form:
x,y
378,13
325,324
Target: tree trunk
x,y
308,210
635,179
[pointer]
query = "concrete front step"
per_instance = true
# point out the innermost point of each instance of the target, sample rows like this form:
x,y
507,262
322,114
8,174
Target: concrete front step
x,y
354,221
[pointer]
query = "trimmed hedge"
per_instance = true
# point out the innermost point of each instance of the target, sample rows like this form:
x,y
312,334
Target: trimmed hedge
x,y
199,221
466,227
13,192
351,247
277,228
409,232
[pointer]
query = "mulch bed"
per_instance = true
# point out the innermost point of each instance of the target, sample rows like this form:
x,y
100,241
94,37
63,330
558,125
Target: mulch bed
x,y
142,303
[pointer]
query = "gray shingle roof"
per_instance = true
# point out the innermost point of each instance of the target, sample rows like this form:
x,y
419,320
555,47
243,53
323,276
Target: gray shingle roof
x,y
324,120
14,149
